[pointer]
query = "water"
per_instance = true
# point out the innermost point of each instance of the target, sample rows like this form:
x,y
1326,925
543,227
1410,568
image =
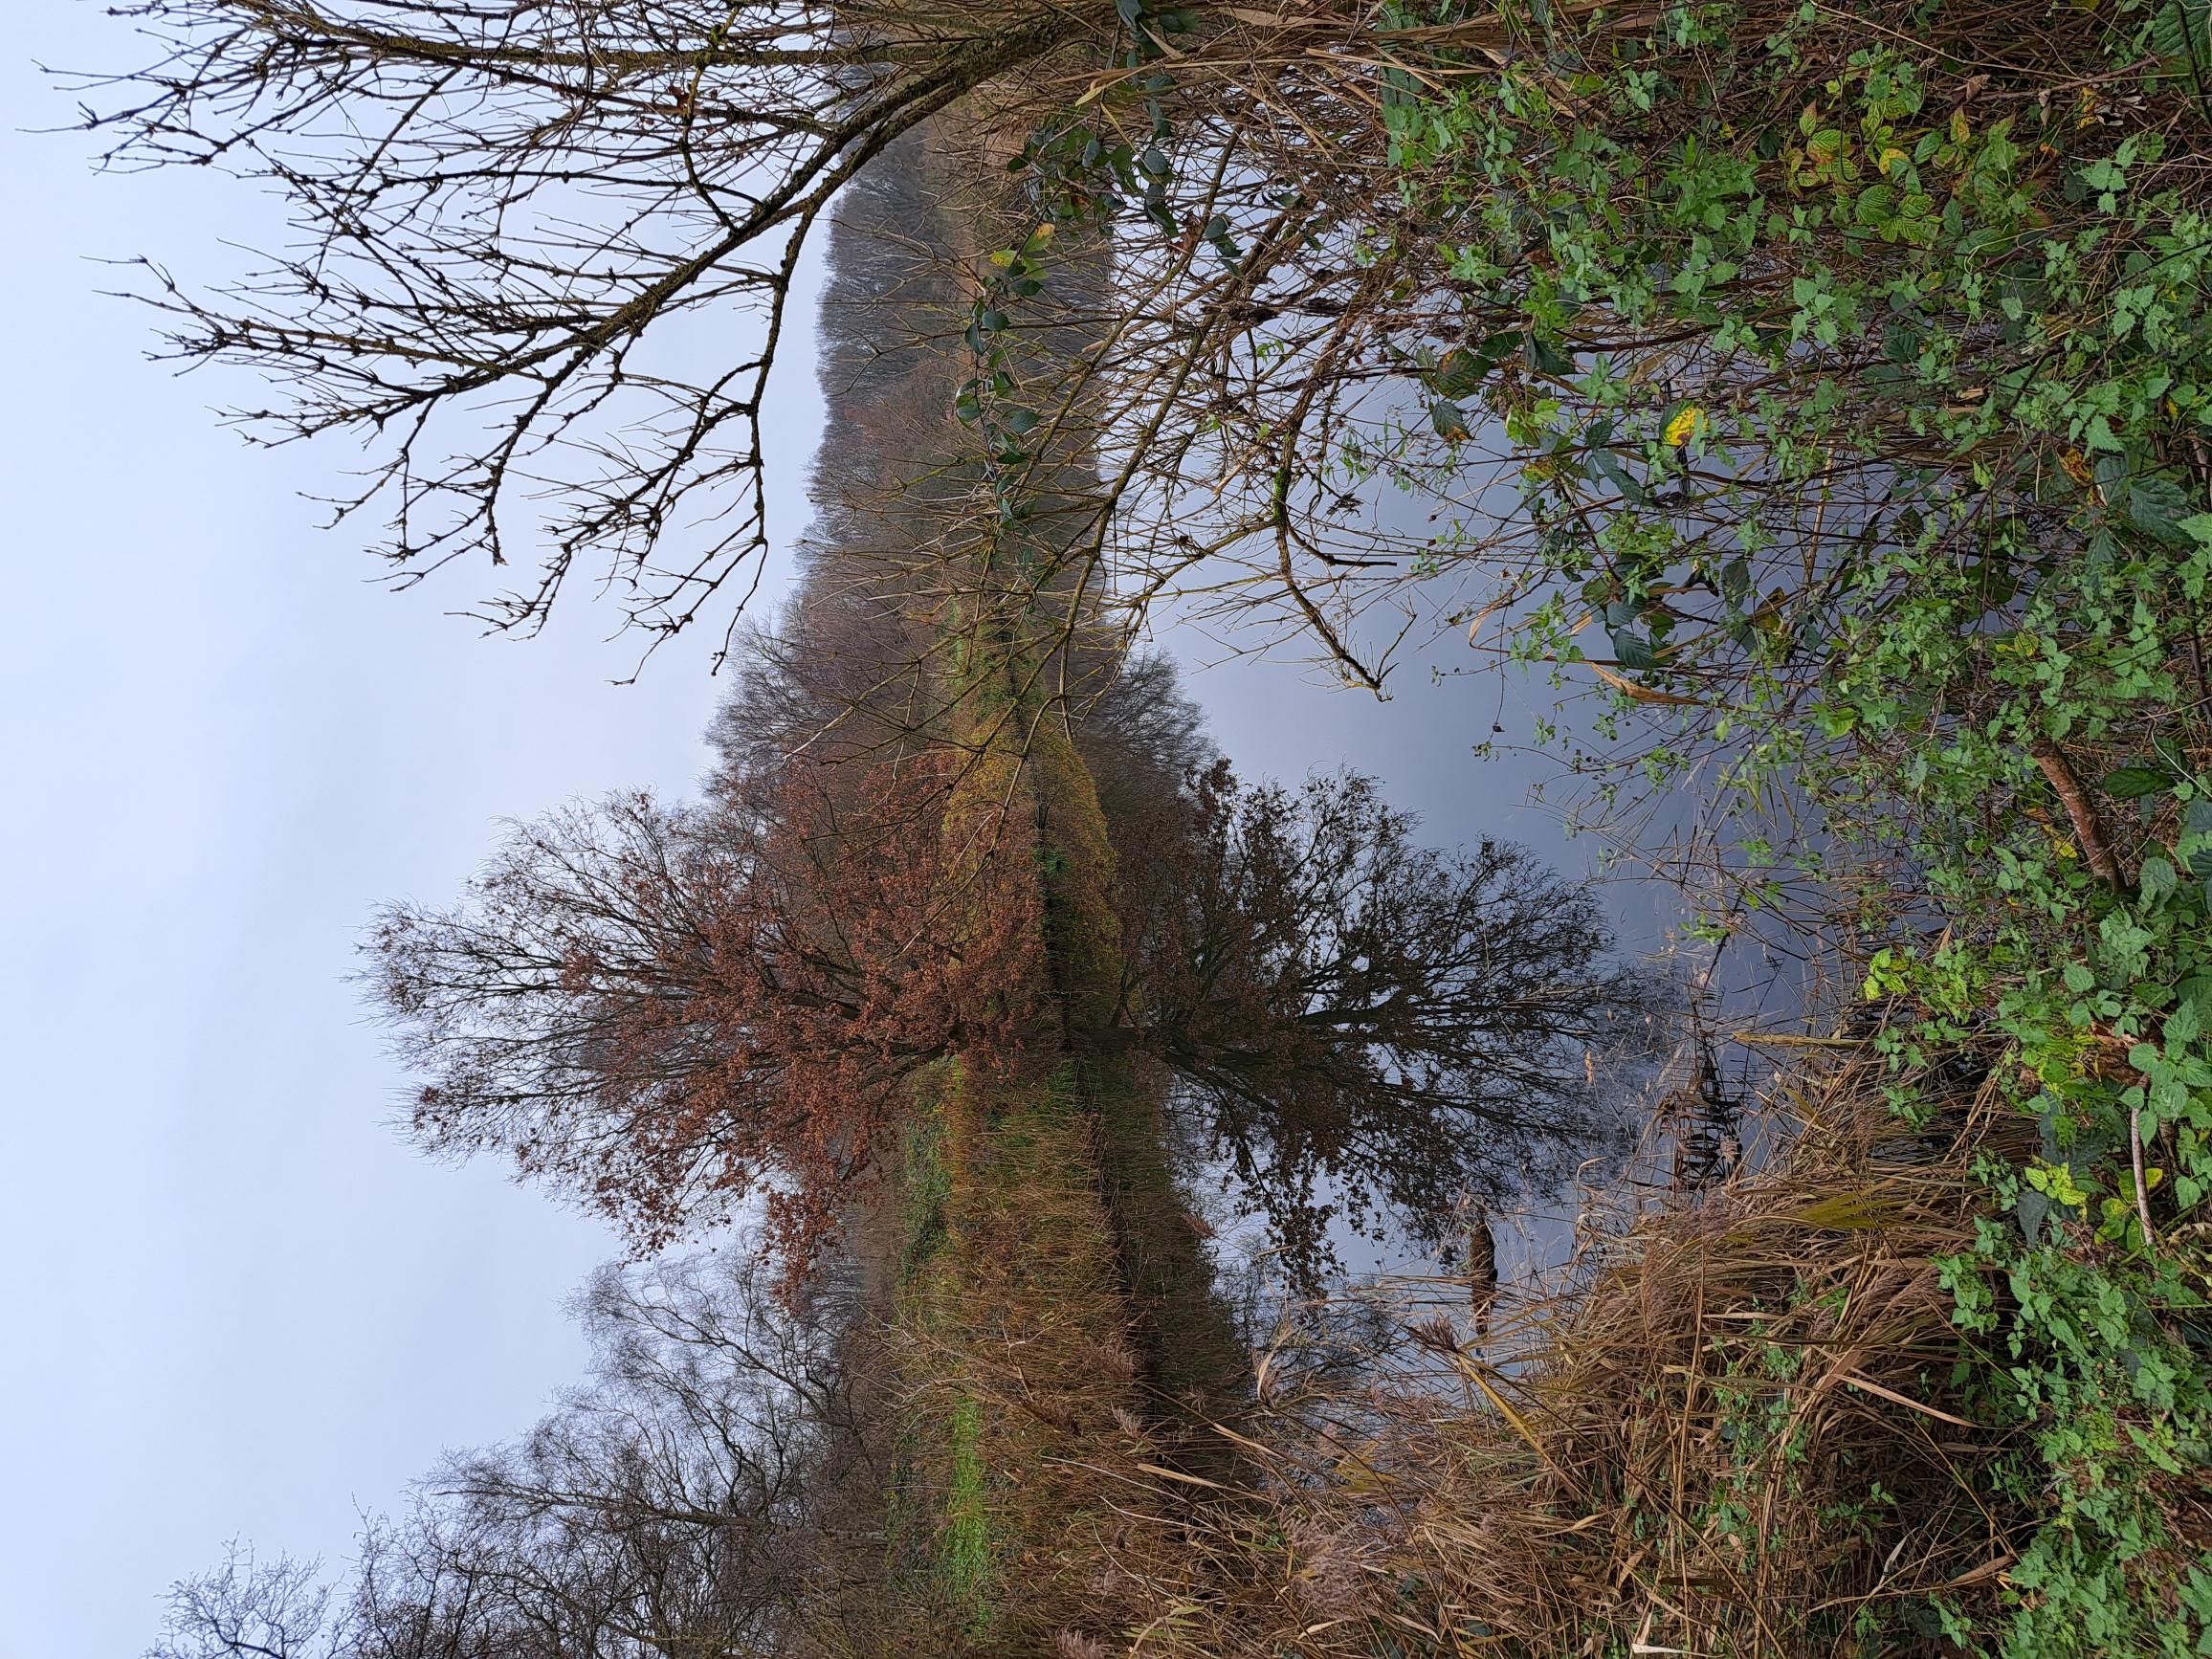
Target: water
x,y
1278,715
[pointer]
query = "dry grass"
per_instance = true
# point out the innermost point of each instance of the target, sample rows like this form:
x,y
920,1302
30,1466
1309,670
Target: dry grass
x,y
1021,1401
1744,1435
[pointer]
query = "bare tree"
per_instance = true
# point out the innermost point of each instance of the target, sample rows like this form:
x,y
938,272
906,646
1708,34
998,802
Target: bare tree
x,y
1345,1008
540,258
528,235
525,235
715,1480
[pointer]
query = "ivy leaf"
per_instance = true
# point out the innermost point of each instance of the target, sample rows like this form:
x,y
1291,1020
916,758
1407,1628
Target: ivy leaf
x,y
1464,368
1631,488
1545,358
2157,880
2195,849
1689,422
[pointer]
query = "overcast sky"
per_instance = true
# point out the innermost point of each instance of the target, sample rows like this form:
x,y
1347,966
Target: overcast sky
x,y
235,1305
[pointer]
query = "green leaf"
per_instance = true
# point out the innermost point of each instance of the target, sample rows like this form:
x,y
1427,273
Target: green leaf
x,y
1631,488
2134,783
2158,507
1450,421
2196,847
2056,1181
2157,879
1877,205
1545,358
1632,651
1462,370
2033,1209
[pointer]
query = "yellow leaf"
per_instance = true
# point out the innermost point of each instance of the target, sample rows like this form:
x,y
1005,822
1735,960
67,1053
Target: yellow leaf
x,y
1902,159
1685,426
1641,694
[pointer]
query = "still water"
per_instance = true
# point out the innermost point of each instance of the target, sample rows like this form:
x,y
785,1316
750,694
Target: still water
x,y
1456,744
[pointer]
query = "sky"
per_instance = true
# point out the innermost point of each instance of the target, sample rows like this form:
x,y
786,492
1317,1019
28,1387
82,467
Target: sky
x,y
237,1304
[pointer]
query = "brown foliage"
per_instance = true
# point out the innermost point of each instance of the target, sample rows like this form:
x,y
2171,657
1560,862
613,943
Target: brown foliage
x,y
662,1012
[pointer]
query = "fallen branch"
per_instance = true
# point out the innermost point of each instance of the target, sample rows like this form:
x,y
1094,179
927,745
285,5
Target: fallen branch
x,y
2142,1186
2096,850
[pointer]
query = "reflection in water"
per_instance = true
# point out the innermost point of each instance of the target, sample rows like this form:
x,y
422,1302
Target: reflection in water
x,y
1367,1035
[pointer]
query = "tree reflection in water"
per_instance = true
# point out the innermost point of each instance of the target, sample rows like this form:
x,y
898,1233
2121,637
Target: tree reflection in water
x,y
1366,1035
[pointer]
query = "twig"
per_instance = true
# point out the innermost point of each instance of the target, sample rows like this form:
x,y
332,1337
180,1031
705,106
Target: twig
x,y
2143,1187
1782,1040
2096,850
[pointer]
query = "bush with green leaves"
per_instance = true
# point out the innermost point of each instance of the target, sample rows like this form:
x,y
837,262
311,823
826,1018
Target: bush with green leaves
x,y
1855,369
